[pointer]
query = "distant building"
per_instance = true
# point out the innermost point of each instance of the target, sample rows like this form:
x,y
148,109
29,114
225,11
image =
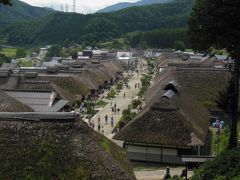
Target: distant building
x,y
51,63
124,56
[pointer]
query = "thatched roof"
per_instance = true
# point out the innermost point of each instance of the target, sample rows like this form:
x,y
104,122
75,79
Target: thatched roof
x,y
113,67
87,81
175,119
9,104
98,75
160,81
70,84
55,149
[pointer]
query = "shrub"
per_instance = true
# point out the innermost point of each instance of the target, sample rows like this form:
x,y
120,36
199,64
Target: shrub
x,y
224,166
136,103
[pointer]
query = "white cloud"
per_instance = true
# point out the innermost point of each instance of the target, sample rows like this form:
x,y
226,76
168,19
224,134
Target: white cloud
x,y
82,6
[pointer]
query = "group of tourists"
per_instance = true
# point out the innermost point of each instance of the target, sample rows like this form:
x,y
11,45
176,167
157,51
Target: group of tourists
x,y
100,126
114,108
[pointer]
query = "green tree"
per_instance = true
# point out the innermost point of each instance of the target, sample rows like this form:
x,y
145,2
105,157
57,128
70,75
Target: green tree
x,y
74,54
179,45
6,2
4,59
54,51
20,53
213,24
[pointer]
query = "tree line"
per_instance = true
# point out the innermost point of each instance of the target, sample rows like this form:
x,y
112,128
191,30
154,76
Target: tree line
x,y
67,28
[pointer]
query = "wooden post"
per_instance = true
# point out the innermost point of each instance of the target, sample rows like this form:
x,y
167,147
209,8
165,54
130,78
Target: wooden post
x,y
233,133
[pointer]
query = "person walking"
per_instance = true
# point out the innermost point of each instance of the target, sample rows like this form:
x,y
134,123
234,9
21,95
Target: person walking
x,y
124,95
99,127
112,121
99,119
106,119
102,129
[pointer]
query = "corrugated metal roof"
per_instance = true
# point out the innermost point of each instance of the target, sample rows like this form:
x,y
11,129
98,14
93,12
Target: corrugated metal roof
x,y
38,101
58,105
169,94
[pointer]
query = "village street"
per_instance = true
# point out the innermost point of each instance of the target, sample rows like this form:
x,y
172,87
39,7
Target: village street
x,y
142,171
121,103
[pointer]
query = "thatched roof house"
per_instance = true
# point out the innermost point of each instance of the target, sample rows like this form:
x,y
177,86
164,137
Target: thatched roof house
x,y
57,149
9,104
174,121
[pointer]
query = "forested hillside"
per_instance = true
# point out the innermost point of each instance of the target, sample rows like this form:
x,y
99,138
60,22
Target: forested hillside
x,y
65,28
123,5
20,11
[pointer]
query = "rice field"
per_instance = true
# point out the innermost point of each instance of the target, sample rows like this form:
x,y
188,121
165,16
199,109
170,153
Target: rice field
x,y
9,52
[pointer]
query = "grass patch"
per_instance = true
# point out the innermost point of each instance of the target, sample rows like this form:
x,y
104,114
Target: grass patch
x,y
105,144
101,103
25,63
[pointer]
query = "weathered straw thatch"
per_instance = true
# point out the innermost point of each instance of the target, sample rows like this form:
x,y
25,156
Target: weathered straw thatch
x,y
175,119
98,75
9,104
68,83
87,82
59,150
113,67
159,82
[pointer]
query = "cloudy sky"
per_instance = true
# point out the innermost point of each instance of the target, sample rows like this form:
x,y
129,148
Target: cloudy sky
x,y
82,6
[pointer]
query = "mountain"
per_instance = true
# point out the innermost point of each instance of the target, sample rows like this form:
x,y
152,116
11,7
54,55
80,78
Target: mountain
x,y
20,11
124,5
67,28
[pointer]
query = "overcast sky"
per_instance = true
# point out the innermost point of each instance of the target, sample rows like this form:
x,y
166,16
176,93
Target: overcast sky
x,y
82,6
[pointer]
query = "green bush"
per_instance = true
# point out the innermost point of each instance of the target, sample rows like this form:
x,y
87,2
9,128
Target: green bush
x,y
136,103
90,107
127,116
224,166
101,103
119,85
111,94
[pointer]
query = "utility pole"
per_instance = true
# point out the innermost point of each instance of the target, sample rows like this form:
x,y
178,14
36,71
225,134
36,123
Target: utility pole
x,y
66,7
74,6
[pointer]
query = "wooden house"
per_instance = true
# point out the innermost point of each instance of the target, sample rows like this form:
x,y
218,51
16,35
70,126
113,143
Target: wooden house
x,y
172,125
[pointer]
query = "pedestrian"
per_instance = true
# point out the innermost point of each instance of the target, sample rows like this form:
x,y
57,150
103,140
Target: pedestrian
x,y
106,119
112,121
112,109
124,95
99,127
135,85
115,110
115,105
111,103
118,110
102,129
99,119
